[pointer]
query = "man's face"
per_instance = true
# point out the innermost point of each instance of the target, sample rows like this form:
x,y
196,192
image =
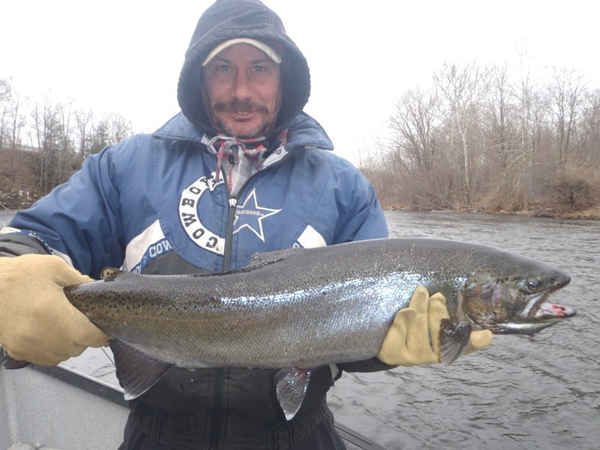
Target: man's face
x,y
242,91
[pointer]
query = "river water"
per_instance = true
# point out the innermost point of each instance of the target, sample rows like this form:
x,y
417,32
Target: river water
x,y
520,393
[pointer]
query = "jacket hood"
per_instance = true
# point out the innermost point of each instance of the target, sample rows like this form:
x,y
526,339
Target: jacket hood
x,y
230,19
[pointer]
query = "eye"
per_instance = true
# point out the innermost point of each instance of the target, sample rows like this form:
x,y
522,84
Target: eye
x,y
534,284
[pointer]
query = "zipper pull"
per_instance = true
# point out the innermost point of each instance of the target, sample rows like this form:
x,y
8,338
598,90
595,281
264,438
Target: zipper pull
x,y
233,202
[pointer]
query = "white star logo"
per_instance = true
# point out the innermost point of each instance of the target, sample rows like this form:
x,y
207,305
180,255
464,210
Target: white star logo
x,y
250,215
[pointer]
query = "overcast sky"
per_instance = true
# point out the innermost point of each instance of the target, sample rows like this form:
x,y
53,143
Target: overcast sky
x,y
125,56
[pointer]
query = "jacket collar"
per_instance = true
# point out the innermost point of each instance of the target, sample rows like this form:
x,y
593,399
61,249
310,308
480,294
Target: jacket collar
x,y
303,132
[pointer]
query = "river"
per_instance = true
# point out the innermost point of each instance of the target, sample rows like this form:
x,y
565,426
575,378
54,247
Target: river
x,y
520,393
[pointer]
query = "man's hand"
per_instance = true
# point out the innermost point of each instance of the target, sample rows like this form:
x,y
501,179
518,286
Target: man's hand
x,y
37,322
413,338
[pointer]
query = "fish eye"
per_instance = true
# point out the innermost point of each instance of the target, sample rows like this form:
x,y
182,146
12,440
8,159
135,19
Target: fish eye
x,y
534,283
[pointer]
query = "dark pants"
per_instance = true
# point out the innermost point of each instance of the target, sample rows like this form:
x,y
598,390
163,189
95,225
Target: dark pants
x,y
323,437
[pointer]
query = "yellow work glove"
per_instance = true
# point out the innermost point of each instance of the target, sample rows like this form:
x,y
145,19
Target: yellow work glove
x,y
37,322
413,337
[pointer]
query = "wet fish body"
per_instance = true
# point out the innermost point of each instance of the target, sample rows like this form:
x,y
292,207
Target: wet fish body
x,y
308,307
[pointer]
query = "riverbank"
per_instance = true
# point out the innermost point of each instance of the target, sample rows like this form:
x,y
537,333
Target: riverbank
x,y
554,213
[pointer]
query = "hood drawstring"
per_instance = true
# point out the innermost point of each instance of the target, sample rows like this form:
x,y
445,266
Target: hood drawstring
x,y
242,158
231,146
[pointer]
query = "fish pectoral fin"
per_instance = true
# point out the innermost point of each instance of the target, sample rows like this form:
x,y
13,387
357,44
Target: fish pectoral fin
x,y
136,371
454,339
291,386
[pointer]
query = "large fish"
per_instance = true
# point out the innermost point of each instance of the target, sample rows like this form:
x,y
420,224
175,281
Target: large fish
x,y
301,308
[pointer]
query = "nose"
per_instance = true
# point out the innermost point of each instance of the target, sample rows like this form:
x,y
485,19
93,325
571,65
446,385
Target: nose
x,y
241,86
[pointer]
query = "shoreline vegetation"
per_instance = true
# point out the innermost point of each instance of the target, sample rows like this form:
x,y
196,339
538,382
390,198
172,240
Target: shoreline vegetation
x,y
477,139
44,141
495,140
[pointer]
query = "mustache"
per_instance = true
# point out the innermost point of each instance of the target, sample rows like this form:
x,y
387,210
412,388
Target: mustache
x,y
240,106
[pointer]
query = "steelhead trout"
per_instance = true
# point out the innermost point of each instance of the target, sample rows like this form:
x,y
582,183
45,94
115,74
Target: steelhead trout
x,y
302,308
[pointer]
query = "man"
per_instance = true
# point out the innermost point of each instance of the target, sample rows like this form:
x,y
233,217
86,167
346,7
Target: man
x,y
241,170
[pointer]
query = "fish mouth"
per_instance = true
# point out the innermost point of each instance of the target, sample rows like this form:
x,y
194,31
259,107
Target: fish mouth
x,y
539,308
539,313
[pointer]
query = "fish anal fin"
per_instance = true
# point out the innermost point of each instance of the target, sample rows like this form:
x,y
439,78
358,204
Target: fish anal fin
x,y
136,371
454,339
291,385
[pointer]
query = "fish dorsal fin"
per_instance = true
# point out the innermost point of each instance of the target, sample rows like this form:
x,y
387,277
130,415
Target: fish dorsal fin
x,y
454,339
291,386
136,371
110,273
261,259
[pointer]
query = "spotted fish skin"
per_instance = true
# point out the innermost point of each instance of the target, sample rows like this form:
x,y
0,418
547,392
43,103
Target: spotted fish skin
x,y
309,307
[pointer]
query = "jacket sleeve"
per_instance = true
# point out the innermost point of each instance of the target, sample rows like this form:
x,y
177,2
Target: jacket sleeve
x,y
79,220
360,215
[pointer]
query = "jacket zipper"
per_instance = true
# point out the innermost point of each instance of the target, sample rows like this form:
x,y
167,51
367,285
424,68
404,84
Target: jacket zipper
x,y
228,253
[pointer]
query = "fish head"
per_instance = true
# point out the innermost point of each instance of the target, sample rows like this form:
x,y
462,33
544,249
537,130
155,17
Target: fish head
x,y
514,297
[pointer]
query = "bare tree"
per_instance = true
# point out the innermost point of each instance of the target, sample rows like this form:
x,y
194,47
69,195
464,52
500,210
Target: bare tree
x,y
84,124
119,128
5,96
463,90
16,126
567,95
65,153
417,152
589,144
413,125
100,137
50,127
502,119
506,152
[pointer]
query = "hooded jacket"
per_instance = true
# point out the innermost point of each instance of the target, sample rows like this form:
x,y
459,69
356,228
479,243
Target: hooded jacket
x,y
152,204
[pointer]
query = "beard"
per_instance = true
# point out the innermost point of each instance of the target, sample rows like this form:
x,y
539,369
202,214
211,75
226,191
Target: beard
x,y
217,115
